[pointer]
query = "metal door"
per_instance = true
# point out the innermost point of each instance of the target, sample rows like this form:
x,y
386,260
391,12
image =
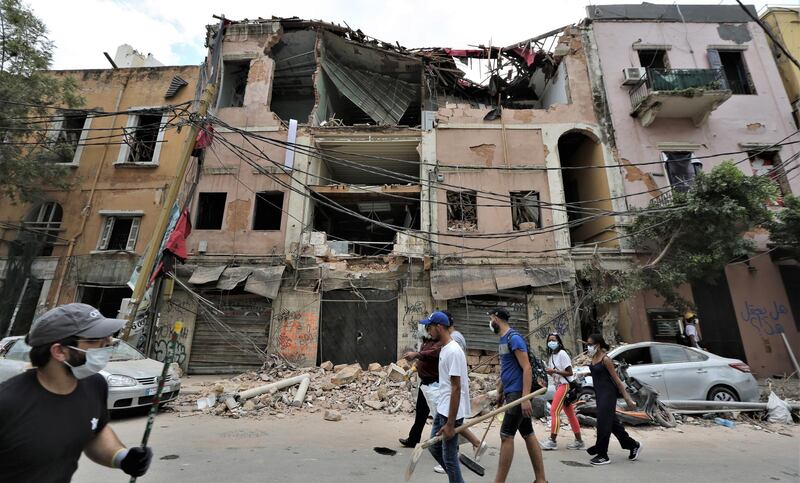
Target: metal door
x,y
469,314
719,328
358,326
230,342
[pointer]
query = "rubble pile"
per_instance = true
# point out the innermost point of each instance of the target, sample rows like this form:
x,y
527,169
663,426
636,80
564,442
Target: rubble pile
x,y
334,390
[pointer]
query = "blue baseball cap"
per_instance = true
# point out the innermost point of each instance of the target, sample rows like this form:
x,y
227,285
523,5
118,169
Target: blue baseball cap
x,y
436,318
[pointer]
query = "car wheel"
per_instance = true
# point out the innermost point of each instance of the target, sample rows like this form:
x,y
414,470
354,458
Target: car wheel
x,y
586,394
722,394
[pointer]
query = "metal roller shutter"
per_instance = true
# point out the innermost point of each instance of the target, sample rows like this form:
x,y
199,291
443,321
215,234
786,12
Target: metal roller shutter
x,y
471,320
215,350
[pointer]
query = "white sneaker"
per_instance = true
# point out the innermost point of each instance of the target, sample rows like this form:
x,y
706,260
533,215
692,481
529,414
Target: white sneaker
x,y
576,445
549,445
439,469
481,450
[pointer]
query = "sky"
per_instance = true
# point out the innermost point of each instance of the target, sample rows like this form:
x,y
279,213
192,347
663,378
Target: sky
x,y
174,31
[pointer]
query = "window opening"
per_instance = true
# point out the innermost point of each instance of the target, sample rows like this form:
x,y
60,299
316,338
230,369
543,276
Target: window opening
x,y
234,83
768,163
525,210
462,214
210,211
735,69
119,233
681,170
268,210
143,140
653,59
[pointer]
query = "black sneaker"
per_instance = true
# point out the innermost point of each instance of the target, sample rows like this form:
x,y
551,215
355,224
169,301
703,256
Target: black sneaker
x,y
635,452
407,443
600,460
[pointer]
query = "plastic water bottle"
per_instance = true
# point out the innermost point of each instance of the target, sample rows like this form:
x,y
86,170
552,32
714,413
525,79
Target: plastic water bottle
x,y
725,422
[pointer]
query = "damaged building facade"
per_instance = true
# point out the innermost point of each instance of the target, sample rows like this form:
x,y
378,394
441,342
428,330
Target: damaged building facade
x,y
681,84
121,152
354,186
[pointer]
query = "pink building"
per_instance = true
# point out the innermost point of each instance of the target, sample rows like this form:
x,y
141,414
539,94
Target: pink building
x,y
683,84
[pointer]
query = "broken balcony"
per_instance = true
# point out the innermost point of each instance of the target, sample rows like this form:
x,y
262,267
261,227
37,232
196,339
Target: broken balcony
x,y
678,94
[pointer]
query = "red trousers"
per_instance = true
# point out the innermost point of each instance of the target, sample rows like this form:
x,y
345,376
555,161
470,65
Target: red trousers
x,y
555,411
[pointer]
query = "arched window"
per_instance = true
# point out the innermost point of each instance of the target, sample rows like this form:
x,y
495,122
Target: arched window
x,y
42,224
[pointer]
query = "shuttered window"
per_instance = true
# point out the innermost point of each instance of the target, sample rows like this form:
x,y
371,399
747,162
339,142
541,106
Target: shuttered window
x,y
119,233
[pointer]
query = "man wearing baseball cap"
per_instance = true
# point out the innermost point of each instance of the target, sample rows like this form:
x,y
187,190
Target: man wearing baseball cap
x,y
49,415
453,404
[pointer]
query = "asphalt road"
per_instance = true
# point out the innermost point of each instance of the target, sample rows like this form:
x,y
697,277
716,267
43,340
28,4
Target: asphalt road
x,y
306,448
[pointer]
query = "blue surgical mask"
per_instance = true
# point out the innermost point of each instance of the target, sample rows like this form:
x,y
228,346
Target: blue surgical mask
x,y
553,345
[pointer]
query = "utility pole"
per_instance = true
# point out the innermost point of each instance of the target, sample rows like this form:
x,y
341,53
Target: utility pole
x,y
166,210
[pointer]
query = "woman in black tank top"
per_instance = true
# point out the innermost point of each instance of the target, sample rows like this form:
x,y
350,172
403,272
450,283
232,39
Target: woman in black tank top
x,y
607,388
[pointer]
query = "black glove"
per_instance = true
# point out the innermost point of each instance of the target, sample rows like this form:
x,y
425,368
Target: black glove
x,y
137,461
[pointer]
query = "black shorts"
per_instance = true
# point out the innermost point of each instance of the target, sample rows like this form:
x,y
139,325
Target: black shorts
x,y
514,421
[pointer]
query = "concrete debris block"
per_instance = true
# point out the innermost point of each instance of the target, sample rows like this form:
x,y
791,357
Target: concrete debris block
x,y
407,406
326,366
382,393
219,409
375,367
403,364
396,373
231,403
219,389
376,405
339,367
346,375
332,415
249,405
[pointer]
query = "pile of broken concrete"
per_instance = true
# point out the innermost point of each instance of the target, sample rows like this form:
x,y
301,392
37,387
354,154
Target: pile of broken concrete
x,y
332,389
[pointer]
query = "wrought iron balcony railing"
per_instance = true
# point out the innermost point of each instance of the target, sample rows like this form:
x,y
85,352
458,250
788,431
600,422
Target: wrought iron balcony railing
x,y
676,80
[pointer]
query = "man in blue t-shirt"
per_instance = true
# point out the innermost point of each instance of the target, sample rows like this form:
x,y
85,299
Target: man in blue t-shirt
x,y
515,382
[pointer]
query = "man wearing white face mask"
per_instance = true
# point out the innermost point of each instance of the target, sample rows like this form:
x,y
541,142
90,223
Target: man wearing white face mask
x,y
64,399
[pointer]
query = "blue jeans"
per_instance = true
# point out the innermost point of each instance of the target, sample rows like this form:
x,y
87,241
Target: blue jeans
x,y
446,452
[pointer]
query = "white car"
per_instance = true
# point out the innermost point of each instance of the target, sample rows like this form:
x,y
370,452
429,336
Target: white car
x,y
683,373
132,377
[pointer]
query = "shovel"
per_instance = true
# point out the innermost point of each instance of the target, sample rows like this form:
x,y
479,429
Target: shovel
x,y
417,454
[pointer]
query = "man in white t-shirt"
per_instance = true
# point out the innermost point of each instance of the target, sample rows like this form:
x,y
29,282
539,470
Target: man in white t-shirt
x,y
453,404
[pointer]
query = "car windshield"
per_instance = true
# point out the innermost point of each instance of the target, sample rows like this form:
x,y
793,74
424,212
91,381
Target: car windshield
x,y
125,352
19,351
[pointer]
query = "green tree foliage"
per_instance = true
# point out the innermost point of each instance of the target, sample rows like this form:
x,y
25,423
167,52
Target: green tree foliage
x,y
27,152
785,229
691,239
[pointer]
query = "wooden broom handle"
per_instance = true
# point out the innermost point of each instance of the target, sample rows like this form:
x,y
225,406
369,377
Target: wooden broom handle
x,y
492,414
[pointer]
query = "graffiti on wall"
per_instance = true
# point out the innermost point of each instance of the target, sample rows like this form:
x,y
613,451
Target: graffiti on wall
x,y
412,312
161,345
545,324
297,335
766,319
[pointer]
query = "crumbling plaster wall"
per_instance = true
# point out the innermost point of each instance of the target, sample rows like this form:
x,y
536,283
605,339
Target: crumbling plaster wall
x,y
181,307
762,118
294,330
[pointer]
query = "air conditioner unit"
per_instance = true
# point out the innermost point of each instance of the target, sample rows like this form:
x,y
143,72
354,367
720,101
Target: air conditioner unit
x,y
632,75
202,246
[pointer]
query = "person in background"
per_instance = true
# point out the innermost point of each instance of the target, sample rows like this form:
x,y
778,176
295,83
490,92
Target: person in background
x,y
690,329
607,388
559,367
52,413
454,404
427,358
516,378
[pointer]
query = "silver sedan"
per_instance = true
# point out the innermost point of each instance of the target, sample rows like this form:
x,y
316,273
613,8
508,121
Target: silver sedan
x,y
132,378
683,373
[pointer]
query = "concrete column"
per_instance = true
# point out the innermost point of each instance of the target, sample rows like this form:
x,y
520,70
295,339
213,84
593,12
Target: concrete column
x,y
428,213
299,206
555,182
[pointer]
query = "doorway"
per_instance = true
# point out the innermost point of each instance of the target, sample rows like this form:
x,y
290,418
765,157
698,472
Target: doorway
x,y
719,327
358,326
